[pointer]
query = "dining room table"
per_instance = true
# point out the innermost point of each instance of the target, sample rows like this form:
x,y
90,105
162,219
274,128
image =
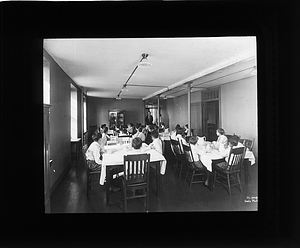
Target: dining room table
x,y
113,159
213,156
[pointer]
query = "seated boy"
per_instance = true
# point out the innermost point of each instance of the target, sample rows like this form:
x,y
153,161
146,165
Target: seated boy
x,y
156,142
196,151
94,153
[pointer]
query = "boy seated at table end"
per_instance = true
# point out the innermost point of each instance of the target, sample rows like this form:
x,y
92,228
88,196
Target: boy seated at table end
x,y
94,159
222,139
136,143
233,142
94,152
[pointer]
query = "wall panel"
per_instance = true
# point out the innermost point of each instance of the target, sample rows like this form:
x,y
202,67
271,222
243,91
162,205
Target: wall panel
x,y
60,120
239,109
98,110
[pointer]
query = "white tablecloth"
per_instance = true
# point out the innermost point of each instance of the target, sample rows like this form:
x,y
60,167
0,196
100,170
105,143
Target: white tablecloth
x,y
115,156
207,158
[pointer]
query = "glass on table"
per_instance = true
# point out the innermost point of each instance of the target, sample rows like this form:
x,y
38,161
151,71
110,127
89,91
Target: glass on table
x,y
208,147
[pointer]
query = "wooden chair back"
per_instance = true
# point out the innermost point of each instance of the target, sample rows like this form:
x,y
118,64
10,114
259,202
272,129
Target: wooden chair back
x,y
236,158
229,135
163,145
136,169
188,154
175,146
248,143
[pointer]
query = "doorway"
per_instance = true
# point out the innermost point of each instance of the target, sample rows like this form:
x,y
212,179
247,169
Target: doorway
x,y
210,114
196,119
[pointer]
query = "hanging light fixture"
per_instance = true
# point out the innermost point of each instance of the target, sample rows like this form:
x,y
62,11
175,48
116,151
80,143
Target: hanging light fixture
x,y
144,63
141,64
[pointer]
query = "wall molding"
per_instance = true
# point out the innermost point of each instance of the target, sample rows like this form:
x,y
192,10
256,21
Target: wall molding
x,y
64,172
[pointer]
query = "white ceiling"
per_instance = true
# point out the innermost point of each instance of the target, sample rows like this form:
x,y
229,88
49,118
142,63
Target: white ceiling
x,y
102,66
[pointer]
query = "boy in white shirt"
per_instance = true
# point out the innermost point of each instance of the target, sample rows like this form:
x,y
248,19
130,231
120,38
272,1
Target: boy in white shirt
x,y
156,142
179,137
174,132
94,153
196,151
105,137
233,143
222,139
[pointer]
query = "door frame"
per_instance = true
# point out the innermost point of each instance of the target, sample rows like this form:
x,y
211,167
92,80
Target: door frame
x,y
204,102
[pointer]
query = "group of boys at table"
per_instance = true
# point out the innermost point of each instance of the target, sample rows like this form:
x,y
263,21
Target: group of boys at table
x,y
205,153
210,155
98,155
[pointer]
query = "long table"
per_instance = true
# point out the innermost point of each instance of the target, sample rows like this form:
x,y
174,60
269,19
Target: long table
x,y
114,158
209,158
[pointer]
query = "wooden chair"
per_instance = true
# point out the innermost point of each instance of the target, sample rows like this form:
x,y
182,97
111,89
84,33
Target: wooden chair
x,y
91,175
229,177
179,156
229,135
193,172
163,146
248,143
136,177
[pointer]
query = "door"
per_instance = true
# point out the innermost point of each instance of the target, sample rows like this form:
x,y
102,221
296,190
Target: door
x,y
210,115
196,119
46,158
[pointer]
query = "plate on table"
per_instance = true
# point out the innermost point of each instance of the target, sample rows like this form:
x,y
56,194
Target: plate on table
x,y
111,151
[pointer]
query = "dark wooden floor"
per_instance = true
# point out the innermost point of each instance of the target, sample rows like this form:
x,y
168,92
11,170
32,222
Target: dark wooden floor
x,y
175,195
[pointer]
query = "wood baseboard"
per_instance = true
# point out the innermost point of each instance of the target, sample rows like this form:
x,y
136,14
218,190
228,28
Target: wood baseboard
x,y
54,186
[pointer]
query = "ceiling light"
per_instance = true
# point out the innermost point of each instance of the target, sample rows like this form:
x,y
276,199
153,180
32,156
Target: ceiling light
x,y
144,63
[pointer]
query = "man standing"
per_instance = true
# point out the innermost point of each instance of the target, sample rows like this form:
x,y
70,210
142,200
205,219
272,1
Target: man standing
x,y
149,119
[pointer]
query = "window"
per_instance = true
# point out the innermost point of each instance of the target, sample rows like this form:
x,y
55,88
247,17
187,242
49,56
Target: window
x,y
84,115
73,112
46,81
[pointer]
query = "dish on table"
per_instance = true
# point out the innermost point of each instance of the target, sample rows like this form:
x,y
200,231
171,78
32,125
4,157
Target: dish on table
x,y
111,151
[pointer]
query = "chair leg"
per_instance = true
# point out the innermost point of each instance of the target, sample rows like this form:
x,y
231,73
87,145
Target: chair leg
x,y
186,175
180,170
228,181
239,181
192,178
176,166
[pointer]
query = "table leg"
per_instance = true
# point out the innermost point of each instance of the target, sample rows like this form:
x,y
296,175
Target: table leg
x,y
212,175
157,177
211,180
107,183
